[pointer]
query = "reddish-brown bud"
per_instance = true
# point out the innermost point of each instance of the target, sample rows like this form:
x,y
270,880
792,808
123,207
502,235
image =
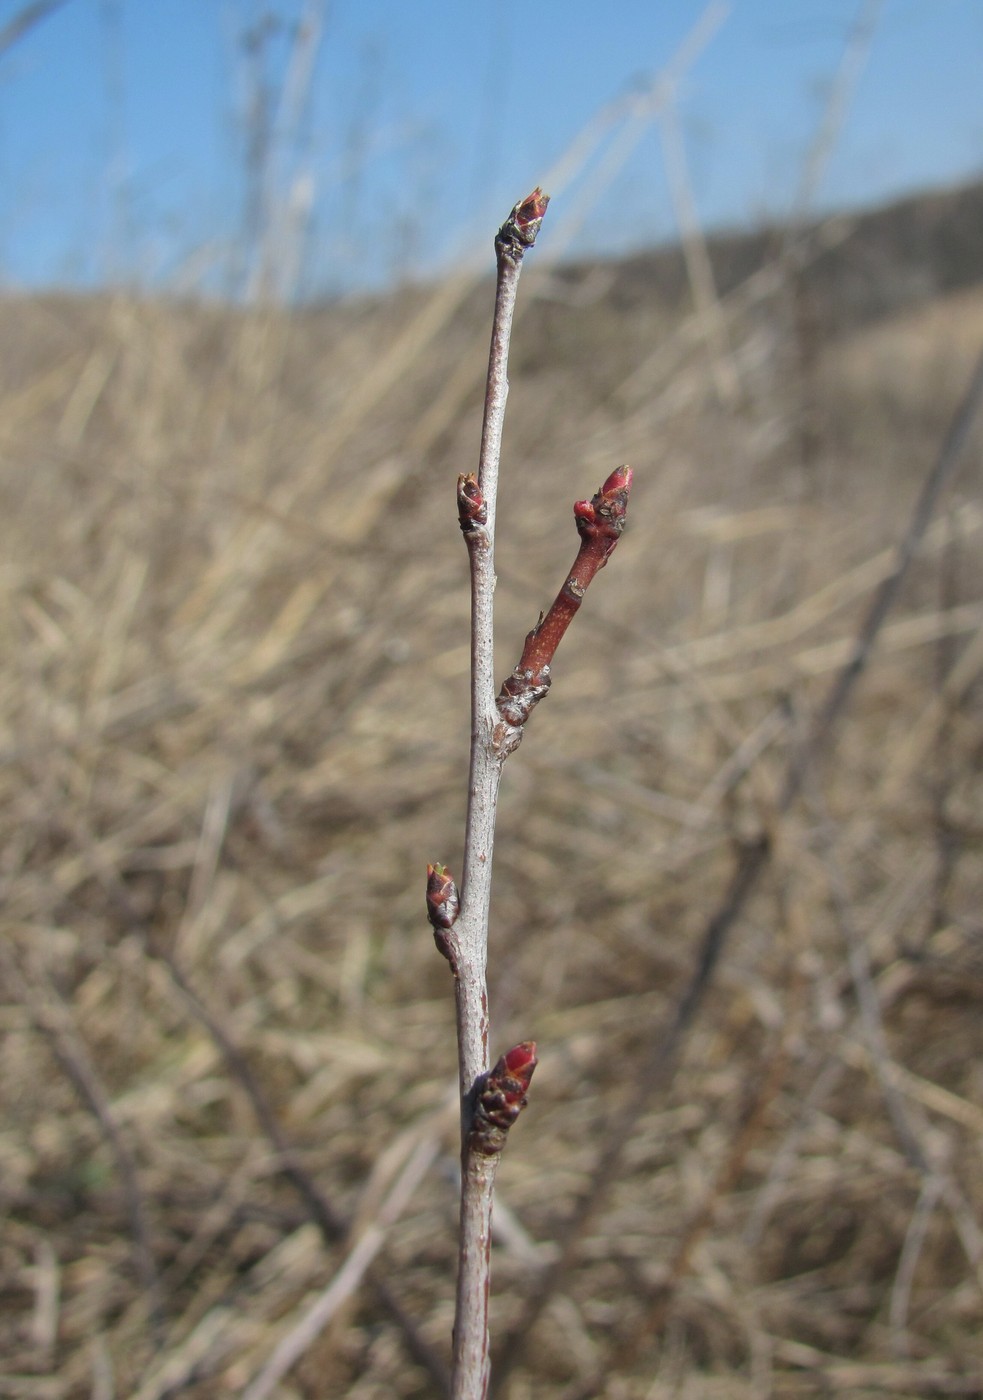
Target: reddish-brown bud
x,y
500,1096
472,508
519,1062
443,904
619,480
528,215
521,693
521,228
602,518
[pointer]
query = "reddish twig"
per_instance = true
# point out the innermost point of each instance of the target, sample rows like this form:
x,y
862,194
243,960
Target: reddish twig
x,y
600,522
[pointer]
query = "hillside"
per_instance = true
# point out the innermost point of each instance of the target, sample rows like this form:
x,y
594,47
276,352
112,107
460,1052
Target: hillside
x,y
234,731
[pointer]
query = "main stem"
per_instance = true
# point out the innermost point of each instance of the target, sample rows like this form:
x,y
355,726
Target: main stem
x,y
485,769
477,499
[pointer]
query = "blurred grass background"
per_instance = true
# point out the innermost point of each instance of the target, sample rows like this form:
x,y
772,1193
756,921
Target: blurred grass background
x,y
233,721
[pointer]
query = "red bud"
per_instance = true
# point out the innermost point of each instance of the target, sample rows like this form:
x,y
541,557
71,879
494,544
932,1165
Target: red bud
x,y
602,518
519,231
519,1062
619,480
531,211
472,509
500,1097
443,905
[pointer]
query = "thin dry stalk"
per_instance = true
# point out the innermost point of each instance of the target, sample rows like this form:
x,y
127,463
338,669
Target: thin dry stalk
x,y
25,20
332,1225
746,1133
911,1134
914,1241
53,1019
936,481
629,117
852,63
699,268
348,1278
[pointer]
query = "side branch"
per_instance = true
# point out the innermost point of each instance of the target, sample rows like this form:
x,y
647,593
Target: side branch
x,y
600,523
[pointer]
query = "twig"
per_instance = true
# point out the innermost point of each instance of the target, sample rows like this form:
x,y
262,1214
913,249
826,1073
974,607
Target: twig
x,y
937,1184
935,483
628,116
491,1100
52,1018
654,1074
349,1277
862,979
852,63
325,1216
783,1160
468,937
600,522
914,1240
653,1319
25,20
330,1222
712,322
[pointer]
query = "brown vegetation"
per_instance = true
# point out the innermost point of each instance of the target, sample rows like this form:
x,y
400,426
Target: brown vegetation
x,y
233,690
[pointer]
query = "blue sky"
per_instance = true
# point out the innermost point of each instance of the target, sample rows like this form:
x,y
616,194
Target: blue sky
x,y
123,128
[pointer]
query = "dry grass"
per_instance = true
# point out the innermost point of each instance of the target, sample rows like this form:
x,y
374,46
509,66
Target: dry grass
x,y
234,731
